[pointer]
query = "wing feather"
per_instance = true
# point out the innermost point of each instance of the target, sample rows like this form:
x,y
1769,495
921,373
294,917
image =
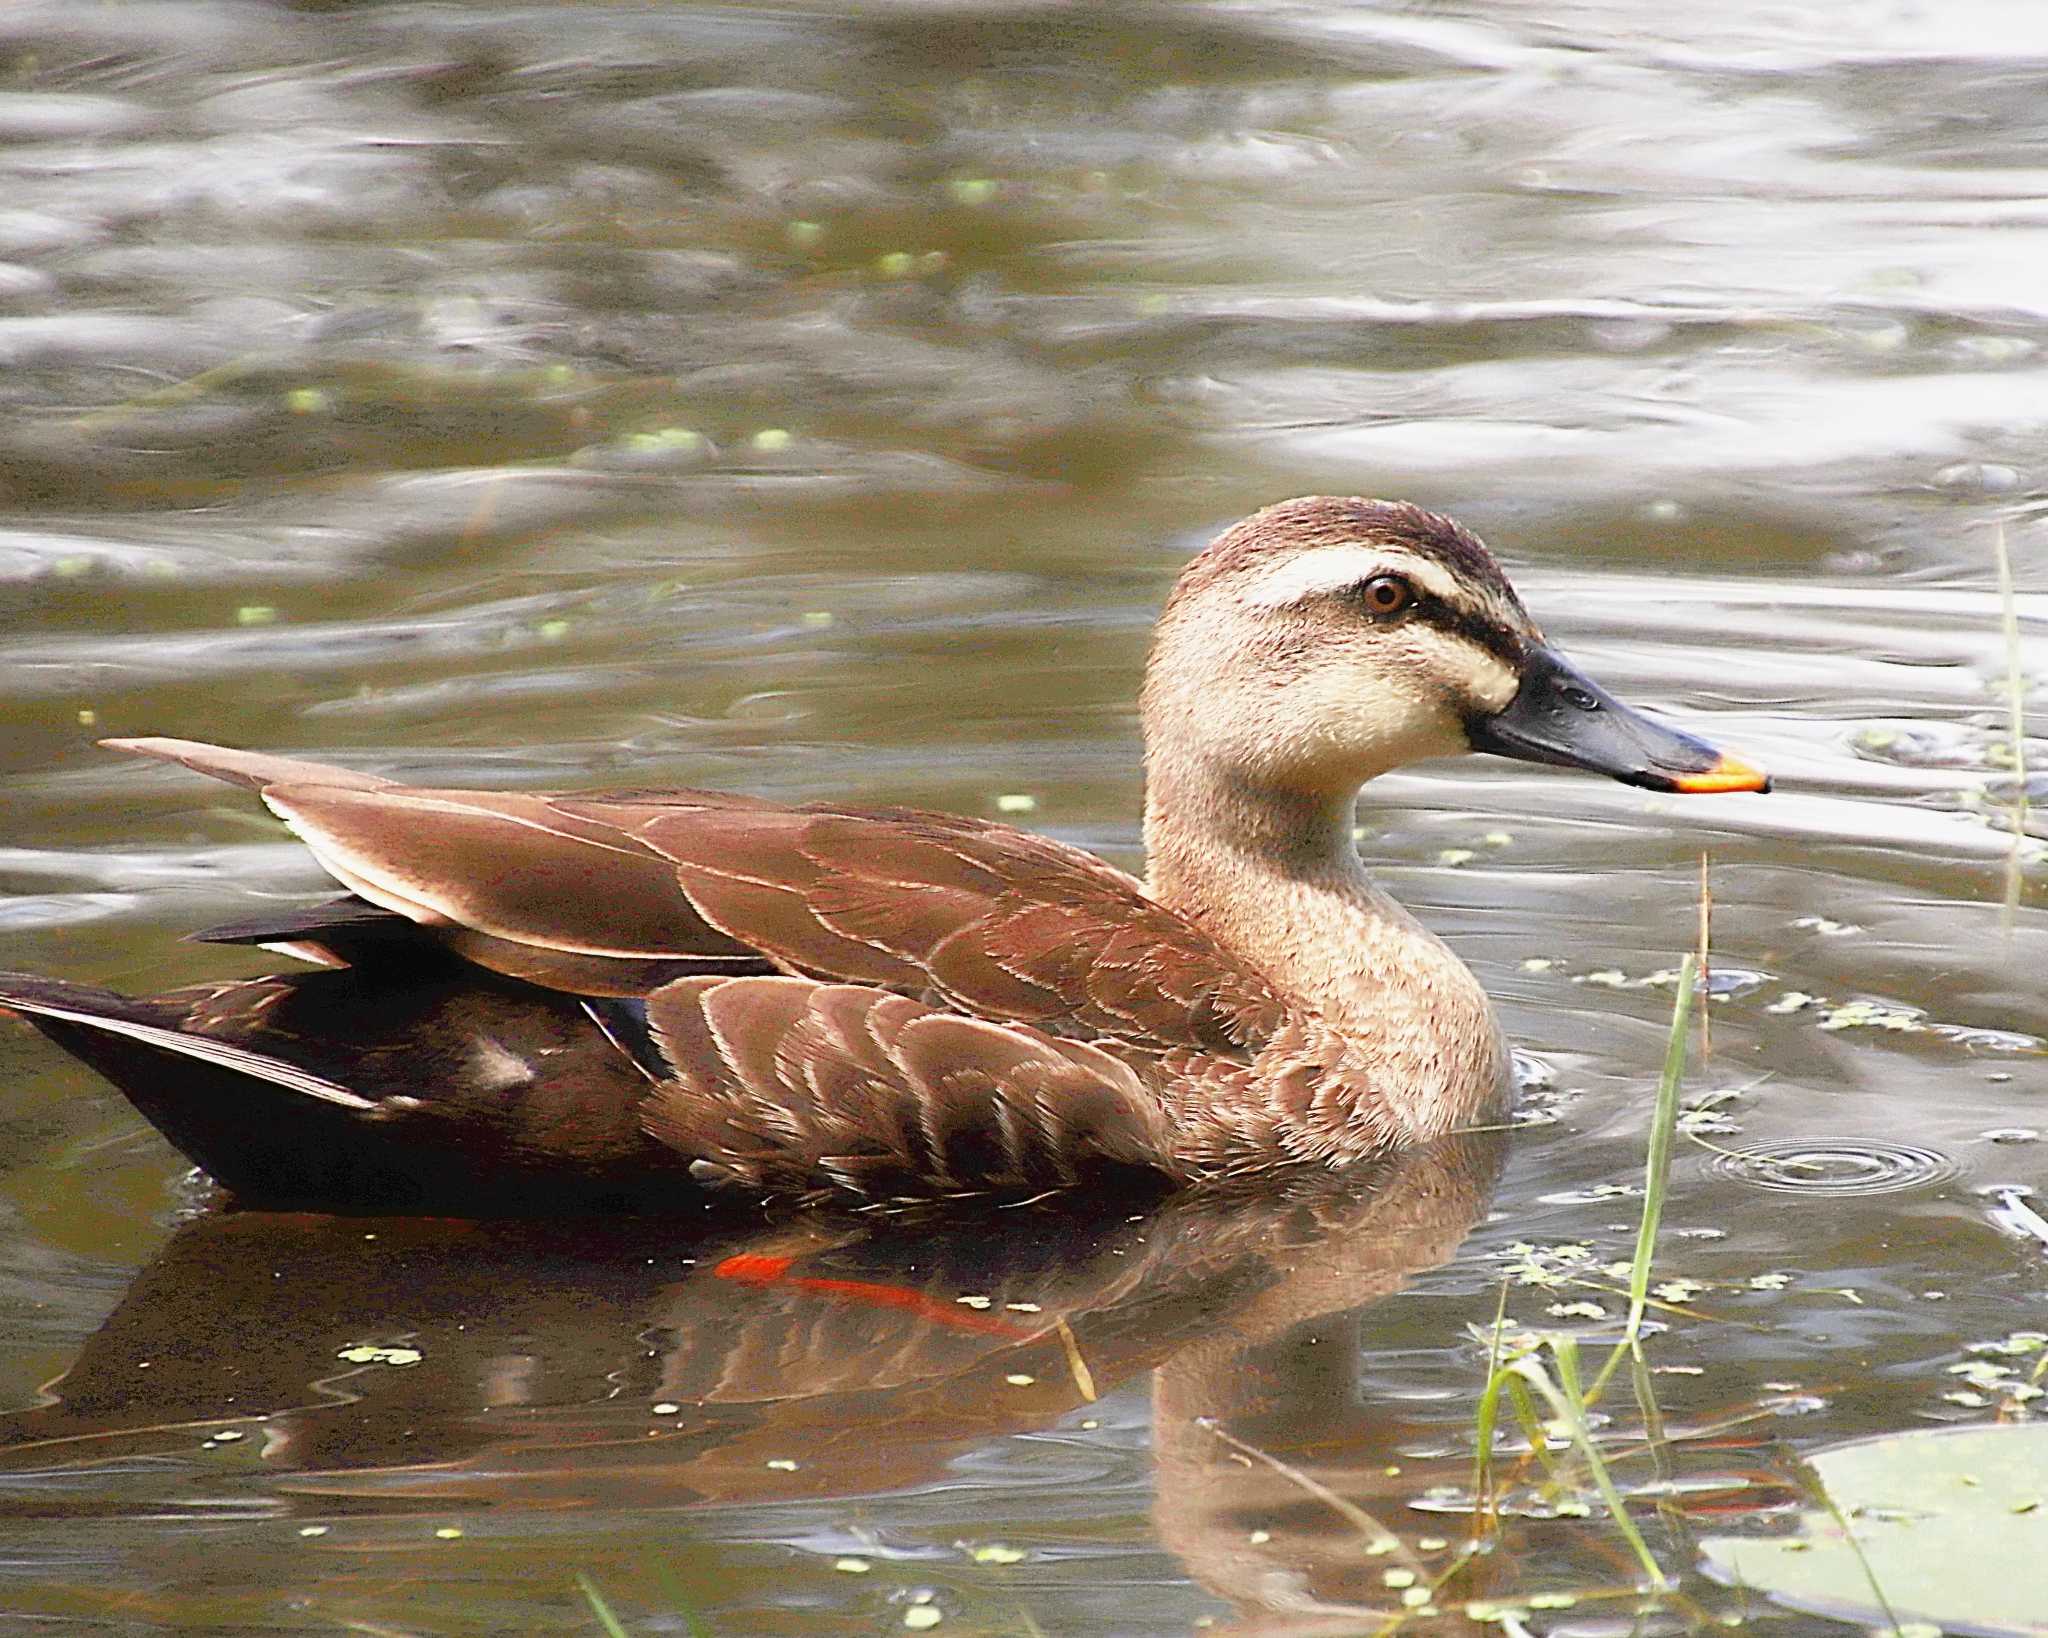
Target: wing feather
x,y
895,1000
603,896
779,1081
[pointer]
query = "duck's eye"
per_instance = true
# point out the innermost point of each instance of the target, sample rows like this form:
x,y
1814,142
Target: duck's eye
x,y
1386,594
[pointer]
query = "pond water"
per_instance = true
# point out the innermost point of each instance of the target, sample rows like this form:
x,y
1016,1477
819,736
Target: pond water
x,y
820,402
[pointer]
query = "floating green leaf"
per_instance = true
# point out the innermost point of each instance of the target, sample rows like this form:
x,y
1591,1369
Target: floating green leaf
x,y
1948,1529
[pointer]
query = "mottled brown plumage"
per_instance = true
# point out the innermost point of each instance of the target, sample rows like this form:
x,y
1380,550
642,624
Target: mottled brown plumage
x,y
566,998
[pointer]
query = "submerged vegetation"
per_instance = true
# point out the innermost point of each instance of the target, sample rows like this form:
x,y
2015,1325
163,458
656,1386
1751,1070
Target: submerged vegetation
x,y
1520,1372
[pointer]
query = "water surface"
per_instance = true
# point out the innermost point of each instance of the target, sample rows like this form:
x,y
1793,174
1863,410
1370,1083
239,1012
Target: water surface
x,y
820,403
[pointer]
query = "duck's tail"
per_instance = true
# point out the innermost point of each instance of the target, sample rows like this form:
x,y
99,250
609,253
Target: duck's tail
x,y
251,769
262,1127
72,1015
427,1118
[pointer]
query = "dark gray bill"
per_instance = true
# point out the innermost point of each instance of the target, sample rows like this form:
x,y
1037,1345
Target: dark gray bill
x,y
1561,716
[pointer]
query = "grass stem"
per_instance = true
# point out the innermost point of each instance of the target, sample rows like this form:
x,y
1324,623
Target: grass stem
x,y
2016,721
1567,1402
1657,1163
1485,1516
1706,970
1376,1534
599,1608
1567,1397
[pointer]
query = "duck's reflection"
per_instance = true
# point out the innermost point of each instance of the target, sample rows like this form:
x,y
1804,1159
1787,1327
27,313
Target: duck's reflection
x,y
650,1364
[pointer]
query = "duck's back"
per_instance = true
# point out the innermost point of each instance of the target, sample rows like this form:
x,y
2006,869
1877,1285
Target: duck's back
x,y
553,999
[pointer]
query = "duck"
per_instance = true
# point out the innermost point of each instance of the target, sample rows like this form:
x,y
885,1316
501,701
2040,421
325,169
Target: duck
x,y
557,1001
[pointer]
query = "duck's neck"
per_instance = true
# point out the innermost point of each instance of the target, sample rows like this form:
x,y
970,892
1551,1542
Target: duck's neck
x,y
1274,877
1206,832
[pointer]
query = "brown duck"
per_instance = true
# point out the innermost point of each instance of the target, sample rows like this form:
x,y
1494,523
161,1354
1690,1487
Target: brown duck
x,y
573,1001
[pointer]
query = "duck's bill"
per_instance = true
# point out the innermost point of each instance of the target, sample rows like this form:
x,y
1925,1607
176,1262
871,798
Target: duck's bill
x,y
1561,716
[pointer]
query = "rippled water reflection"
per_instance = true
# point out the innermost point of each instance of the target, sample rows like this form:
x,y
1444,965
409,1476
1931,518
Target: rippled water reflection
x,y
820,403
1844,1166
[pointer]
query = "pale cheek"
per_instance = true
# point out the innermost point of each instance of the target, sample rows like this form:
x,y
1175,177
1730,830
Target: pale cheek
x,y
1427,727
1495,689
1476,679
1346,733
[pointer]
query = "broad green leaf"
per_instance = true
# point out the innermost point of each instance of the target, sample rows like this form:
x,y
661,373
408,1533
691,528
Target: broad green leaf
x,y
1950,1526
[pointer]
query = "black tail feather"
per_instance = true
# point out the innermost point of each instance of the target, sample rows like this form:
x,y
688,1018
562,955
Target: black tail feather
x,y
427,1108
56,1001
347,915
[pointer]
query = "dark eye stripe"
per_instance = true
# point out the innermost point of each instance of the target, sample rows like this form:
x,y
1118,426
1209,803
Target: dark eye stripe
x,y
1503,642
1507,646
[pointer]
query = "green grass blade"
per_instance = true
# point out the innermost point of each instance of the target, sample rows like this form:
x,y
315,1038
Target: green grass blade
x,y
1657,1165
1531,1424
600,1608
1484,1420
679,1603
1567,1405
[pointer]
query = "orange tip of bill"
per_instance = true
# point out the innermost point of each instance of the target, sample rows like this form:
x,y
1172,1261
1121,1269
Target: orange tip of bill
x,y
1729,774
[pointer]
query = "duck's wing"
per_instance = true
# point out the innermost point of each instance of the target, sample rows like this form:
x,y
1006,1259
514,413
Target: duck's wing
x,y
794,1085
885,1002
619,894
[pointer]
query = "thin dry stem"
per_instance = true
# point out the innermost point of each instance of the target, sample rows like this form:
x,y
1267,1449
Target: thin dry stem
x,y
1706,970
2016,723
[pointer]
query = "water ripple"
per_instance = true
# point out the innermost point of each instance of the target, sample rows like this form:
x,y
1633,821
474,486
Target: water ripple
x,y
1836,1165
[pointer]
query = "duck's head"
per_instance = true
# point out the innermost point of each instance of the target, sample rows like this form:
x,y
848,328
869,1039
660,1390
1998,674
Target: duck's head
x,y
1325,640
